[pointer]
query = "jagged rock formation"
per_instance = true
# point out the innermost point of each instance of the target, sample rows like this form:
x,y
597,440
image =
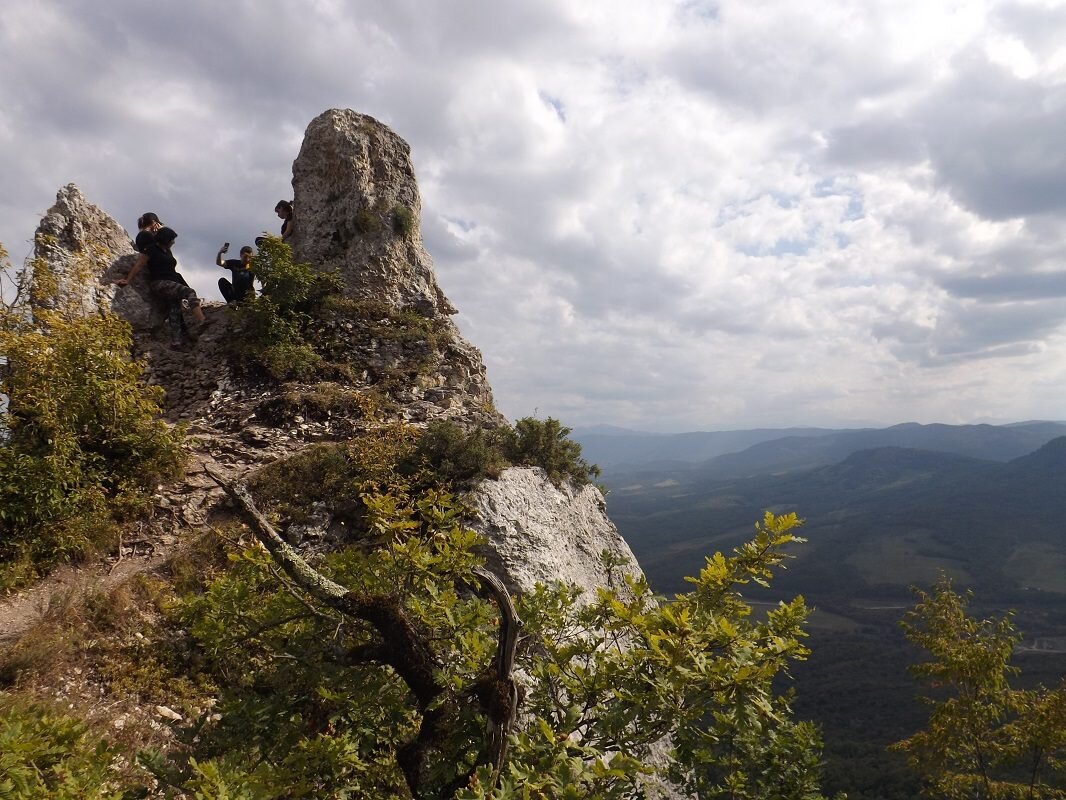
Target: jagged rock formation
x,y
87,250
354,188
358,212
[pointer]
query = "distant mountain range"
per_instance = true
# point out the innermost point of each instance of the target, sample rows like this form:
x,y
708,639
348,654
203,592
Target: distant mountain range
x,y
885,508
766,449
618,448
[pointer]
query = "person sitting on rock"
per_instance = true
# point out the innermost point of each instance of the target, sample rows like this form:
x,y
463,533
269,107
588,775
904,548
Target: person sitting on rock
x,y
147,225
241,272
167,284
284,211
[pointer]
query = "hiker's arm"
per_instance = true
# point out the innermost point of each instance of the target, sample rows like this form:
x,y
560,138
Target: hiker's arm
x,y
138,265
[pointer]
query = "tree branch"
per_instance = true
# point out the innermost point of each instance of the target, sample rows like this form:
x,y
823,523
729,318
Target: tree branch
x,y
406,649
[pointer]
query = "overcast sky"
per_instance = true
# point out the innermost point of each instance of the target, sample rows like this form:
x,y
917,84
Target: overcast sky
x,y
662,215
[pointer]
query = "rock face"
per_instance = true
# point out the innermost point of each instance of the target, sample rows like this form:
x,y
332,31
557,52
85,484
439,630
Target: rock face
x,y
539,533
87,250
357,210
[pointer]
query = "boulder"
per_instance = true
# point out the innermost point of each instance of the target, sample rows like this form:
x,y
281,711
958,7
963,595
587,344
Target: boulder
x,y
538,532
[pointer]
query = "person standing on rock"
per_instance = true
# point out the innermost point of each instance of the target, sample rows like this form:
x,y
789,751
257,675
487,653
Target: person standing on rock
x,y
241,272
167,284
284,211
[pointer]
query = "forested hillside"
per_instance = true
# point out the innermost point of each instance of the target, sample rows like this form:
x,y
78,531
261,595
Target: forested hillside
x,y
879,521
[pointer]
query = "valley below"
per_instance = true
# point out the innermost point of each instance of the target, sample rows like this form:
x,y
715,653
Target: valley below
x,y
885,510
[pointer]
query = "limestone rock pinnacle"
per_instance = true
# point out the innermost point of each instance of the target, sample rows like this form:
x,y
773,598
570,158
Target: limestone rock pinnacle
x,y
86,249
358,211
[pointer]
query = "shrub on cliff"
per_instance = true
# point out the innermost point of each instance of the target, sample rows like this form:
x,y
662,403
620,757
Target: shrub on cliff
x,y
270,327
83,443
461,458
393,701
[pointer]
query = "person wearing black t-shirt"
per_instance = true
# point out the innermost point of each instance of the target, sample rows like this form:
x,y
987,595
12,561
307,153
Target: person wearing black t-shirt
x,y
241,271
285,212
147,224
166,283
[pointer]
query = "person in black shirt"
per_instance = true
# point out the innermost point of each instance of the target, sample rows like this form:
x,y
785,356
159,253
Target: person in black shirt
x,y
284,211
166,283
241,271
147,224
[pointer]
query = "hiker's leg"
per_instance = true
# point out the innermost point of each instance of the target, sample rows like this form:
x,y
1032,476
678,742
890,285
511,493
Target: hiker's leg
x,y
172,291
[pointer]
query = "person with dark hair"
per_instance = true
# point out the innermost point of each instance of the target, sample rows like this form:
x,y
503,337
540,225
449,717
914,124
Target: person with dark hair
x,y
147,224
285,212
241,272
166,283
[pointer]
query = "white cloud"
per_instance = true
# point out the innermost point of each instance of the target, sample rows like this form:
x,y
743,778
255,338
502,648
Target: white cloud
x,y
669,215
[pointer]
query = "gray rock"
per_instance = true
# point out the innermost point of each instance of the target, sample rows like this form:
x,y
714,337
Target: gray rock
x,y
539,533
87,250
358,211
316,526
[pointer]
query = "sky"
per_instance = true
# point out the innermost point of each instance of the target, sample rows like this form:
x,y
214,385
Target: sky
x,y
666,215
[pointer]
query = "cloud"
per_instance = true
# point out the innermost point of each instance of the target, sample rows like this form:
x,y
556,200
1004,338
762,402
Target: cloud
x,y
658,214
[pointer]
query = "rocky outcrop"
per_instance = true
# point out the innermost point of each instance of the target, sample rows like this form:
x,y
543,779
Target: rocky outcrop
x,y
87,250
358,211
539,533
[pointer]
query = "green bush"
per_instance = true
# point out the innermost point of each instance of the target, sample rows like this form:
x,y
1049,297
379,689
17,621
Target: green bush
x,y
447,454
450,455
291,286
307,708
367,222
546,444
338,474
84,445
43,754
270,328
403,220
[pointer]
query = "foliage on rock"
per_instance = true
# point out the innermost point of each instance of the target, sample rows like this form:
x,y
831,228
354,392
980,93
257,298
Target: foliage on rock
x,y
83,444
301,328
269,328
403,220
461,457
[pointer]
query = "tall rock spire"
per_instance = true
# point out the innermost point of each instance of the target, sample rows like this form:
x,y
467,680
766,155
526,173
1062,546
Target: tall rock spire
x,y
358,211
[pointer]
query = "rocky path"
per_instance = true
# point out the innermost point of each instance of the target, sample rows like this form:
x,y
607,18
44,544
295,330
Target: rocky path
x,y
20,611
